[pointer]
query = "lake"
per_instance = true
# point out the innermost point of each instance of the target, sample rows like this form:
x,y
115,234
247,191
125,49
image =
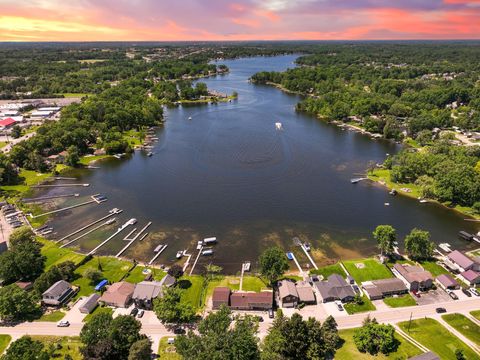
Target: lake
x,y
229,173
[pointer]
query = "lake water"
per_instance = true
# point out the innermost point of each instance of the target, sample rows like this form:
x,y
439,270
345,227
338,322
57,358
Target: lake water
x,y
229,173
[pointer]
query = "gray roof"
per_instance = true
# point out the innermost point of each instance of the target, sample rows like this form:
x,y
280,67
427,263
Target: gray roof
x,y
446,280
168,281
287,288
57,289
147,290
90,302
426,356
305,291
335,287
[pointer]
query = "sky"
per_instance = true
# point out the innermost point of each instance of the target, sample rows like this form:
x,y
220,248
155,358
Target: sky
x,y
174,20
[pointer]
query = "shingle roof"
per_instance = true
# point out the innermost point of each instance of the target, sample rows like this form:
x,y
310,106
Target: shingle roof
x,y
470,275
287,288
118,293
413,273
460,259
246,299
446,280
221,294
58,289
90,302
305,292
147,290
335,287
426,356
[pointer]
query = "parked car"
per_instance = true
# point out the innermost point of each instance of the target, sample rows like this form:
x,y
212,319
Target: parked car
x,y
452,295
271,314
170,340
474,291
441,310
339,305
63,323
356,289
466,292
140,313
134,312
179,331
416,293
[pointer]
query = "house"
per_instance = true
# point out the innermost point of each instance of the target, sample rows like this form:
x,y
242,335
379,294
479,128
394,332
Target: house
x,y
470,277
145,292
89,304
168,281
379,289
335,288
7,123
25,285
426,356
458,261
118,294
58,293
221,296
414,277
251,300
287,294
99,152
447,282
305,293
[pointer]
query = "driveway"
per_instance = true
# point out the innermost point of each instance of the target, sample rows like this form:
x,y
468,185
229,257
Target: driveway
x,y
74,316
433,297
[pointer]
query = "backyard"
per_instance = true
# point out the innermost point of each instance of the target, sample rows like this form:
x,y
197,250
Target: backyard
x,y
366,270
55,255
326,271
167,351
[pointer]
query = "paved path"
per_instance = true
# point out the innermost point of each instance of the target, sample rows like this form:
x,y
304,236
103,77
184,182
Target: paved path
x,y
467,341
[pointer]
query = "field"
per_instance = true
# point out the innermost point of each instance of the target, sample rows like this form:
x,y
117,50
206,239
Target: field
x,y
55,255
400,301
166,351
193,286
372,270
464,326
353,308
4,341
476,314
349,351
68,346
431,334
113,270
326,271
52,317
434,268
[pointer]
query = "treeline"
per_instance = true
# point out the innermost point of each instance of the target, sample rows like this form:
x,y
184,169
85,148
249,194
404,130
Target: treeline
x,y
393,89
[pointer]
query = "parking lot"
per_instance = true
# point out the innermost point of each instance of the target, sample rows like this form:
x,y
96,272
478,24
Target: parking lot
x,y
433,297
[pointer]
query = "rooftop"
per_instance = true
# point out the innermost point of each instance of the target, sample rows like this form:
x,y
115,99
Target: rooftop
x,y
460,259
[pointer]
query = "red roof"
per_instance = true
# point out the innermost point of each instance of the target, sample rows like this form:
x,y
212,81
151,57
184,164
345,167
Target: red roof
x,y
7,122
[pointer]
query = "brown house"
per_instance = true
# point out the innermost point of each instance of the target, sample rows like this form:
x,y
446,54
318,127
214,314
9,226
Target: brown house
x,y
118,294
221,296
287,294
251,300
414,277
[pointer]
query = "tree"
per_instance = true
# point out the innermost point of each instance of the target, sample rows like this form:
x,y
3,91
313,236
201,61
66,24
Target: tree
x,y
330,335
386,237
374,338
218,339
273,264
93,275
459,355
73,156
418,245
175,271
141,350
16,131
26,348
170,309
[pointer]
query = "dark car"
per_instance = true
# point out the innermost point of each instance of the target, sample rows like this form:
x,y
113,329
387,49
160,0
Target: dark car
x,y
356,289
453,295
416,293
466,292
179,331
440,310
271,314
134,312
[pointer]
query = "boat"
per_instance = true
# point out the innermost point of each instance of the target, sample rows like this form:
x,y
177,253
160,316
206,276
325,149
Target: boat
x,y
199,245
289,256
356,180
179,254
189,118
445,247
306,246
158,248
465,235
393,192
246,266
150,154
423,201
111,221
386,204
278,126
132,221
210,240
207,252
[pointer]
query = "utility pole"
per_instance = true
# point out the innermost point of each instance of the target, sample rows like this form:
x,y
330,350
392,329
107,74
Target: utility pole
x,y
410,321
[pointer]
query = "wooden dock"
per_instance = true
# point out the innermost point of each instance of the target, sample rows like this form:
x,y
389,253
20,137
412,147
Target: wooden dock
x,y
63,209
46,198
123,227
59,185
308,256
196,259
298,265
132,240
83,235
157,255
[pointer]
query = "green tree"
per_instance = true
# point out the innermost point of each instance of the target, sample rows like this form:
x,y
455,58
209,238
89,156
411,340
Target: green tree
x,y
141,350
17,304
73,157
93,275
374,338
16,131
26,348
273,264
170,308
175,271
386,237
459,355
418,245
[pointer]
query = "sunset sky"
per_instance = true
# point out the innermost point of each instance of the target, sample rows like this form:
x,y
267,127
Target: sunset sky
x,y
86,20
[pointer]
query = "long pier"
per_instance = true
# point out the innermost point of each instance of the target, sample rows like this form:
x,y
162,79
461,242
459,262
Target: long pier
x,y
196,259
63,209
298,265
123,227
309,257
157,255
133,239
59,185
89,225
83,235
46,198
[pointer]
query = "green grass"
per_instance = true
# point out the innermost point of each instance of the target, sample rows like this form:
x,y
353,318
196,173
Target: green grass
x,y
372,270
250,283
326,271
412,143
68,346
464,326
353,308
193,289
349,351
56,256
137,276
400,301
85,160
98,310
431,334
4,341
112,269
74,95
52,317
434,268
29,178
3,144
133,137
475,314
167,351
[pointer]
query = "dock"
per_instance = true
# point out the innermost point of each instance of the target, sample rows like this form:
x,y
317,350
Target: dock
x,y
111,213
157,255
83,235
132,240
298,265
63,209
309,257
120,229
59,185
196,259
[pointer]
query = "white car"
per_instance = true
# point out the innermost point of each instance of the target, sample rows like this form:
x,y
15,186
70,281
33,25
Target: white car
x,y
339,305
63,323
474,291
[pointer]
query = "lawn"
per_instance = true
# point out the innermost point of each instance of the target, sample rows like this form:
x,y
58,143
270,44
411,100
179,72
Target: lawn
x,y
431,334
193,286
326,271
400,301
476,314
384,175
167,351
113,270
133,137
52,317
353,308
4,341
371,270
464,326
30,178
349,351
85,160
55,255
98,310
68,346
250,283
434,268
137,276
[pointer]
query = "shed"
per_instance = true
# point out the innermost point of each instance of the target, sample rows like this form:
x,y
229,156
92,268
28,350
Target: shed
x,y
89,304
